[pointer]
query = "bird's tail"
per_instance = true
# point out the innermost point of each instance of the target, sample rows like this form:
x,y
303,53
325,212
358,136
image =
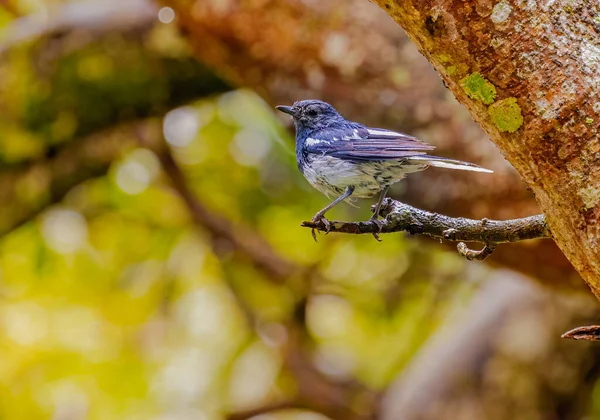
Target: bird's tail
x,y
440,162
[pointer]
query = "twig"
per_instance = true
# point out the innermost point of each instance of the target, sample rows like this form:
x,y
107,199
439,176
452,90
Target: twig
x,y
99,17
399,217
266,409
253,246
315,390
82,159
471,254
588,333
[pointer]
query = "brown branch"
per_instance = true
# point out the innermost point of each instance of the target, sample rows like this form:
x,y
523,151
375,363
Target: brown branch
x,y
265,409
95,17
314,390
48,180
400,217
587,333
471,254
241,238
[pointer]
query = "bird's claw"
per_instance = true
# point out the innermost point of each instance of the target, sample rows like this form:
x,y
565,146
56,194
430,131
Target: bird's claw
x,y
320,219
379,225
314,234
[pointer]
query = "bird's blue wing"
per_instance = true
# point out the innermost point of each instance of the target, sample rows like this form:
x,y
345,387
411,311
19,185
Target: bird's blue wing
x,y
363,143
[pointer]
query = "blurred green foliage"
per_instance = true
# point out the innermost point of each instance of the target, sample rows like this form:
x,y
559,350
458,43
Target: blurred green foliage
x,y
62,88
116,306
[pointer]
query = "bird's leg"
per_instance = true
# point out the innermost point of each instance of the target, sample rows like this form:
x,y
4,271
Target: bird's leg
x,y
320,216
379,203
375,217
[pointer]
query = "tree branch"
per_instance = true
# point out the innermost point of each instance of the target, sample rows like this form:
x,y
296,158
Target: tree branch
x,y
44,182
508,65
314,390
94,17
587,333
241,238
400,217
265,409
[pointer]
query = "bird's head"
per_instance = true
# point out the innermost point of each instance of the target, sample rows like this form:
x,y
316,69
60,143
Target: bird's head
x,y
311,114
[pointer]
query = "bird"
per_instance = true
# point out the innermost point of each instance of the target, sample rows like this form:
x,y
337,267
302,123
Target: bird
x,y
346,159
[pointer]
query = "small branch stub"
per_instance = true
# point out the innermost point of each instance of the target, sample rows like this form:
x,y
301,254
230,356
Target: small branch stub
x,y
587,333
471,254
398,217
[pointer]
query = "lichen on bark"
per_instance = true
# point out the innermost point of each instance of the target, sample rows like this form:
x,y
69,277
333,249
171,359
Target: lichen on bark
x,y
506,115
478,88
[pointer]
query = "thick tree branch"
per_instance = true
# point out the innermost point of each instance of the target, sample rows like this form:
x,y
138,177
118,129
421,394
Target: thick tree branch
x,y
528,73
400,217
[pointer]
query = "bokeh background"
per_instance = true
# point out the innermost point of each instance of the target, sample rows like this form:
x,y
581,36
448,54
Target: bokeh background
x,y
152,263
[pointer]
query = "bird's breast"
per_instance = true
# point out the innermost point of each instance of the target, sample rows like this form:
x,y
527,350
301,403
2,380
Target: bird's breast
x,y
331,176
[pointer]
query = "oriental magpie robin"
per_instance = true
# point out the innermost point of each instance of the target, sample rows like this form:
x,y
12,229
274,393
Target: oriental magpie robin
x,y
342,158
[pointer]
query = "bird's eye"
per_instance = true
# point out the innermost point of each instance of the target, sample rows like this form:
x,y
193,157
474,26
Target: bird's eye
x,y
311,112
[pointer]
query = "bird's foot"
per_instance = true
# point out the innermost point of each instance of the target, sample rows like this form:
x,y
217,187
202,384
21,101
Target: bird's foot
x,y
379,225
320,219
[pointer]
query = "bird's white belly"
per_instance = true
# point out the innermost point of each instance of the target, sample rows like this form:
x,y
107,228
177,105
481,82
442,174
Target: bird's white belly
x,y
332,176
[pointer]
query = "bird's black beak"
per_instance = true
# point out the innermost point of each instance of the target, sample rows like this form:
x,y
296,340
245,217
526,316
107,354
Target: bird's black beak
x,y
287,109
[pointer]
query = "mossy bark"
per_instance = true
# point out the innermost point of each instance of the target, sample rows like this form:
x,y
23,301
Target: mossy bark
x,y
543,58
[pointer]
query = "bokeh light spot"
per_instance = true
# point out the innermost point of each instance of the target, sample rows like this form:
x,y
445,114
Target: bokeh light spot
x,y
136,173
181,125
254,375
329,316
166,15
250,146
64,231
24,323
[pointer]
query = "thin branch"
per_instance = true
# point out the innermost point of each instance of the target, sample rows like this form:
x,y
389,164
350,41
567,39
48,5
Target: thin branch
x,y
96,17
52,178
315,390
266,409
241,238
471,254
587,333
400,217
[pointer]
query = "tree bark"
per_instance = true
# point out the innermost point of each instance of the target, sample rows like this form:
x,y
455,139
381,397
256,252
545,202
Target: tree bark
x,y
527,71
400,217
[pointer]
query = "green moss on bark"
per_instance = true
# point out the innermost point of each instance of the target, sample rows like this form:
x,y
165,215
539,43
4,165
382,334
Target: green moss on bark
x,y
506,115
478,88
